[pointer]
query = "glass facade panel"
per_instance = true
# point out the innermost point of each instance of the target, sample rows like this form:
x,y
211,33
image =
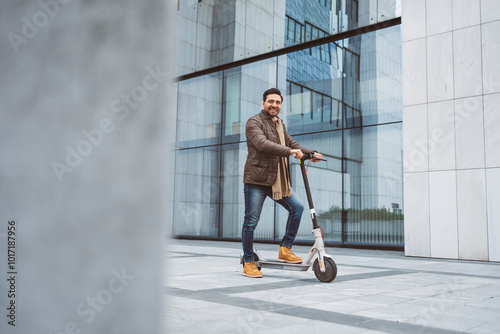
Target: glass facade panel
x,y
199,111
243,88
233,199
341,98
373,197
233,161
196,192
232,105
314,91
325,181
217,32
378,74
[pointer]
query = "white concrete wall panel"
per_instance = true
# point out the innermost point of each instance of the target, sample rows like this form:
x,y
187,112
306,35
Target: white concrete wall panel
x,y
471,209
416,204
443,214
279,24
415,143
452,47
438,16
490,11
468,78
469,133
491,56
413,19
493,209
491,129
441,135
440,67
388,10
414,72
466,13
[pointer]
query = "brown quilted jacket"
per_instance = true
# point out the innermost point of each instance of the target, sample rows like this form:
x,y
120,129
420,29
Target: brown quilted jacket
x,y
264,150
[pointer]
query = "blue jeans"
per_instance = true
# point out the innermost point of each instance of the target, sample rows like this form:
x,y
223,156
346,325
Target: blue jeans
x,y
254,201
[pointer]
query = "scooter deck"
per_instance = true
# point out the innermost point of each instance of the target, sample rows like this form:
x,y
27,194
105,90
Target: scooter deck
x,y
282,265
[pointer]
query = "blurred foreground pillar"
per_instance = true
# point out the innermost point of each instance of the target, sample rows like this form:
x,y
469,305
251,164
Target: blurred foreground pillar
x,y
85,136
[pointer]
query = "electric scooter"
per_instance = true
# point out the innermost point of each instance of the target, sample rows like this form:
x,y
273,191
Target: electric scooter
x,y
323,266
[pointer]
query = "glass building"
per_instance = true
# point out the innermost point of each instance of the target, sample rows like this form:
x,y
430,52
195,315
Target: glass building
x,y
338,66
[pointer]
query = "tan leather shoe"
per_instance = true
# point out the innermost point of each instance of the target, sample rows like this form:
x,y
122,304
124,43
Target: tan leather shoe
x,y
286,255
251,270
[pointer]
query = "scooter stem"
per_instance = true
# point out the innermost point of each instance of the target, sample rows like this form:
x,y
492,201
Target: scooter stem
x,y
308,191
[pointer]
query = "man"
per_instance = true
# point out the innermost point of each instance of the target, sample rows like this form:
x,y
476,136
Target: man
x,y
267,174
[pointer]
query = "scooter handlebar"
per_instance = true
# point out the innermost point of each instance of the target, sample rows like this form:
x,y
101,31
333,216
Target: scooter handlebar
x,y
309,156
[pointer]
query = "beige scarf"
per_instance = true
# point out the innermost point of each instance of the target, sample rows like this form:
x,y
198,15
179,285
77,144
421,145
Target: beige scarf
x,y
281,188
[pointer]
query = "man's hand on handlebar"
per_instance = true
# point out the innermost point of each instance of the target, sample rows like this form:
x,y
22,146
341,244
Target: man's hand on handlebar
x,y
316,156
296,153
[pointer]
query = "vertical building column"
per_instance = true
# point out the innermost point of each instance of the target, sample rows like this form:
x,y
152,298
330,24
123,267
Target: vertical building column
x,y
450,76
84,163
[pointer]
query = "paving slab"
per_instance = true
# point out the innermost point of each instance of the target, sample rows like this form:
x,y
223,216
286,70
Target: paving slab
x,y
374,292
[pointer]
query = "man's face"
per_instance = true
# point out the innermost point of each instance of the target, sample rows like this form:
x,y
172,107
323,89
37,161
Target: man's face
x,y
272,104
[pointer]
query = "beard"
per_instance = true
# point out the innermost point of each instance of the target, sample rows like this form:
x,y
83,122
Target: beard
x,y
273,112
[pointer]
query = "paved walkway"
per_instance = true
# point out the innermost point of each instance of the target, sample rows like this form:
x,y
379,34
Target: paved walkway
x,y
374,292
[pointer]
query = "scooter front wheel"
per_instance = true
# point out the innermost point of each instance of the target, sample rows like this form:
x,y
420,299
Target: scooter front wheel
x,y
330,270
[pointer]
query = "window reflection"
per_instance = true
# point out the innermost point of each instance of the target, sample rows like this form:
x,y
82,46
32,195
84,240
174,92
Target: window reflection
x,y
373,198
197,189
342,99
199,111
294,31
212,33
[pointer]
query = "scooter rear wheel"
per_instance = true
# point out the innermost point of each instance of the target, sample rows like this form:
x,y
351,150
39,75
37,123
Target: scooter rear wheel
x,y
330,270
256,258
